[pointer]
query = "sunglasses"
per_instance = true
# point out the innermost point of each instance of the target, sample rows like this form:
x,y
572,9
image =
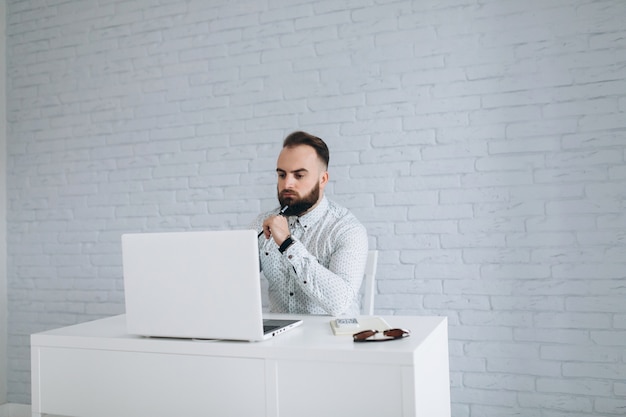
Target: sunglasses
x,y
374,335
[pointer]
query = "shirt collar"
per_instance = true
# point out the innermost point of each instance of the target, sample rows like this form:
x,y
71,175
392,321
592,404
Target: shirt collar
x,y
315,215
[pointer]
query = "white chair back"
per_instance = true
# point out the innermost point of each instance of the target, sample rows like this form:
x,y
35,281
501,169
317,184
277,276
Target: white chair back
x,y
369,283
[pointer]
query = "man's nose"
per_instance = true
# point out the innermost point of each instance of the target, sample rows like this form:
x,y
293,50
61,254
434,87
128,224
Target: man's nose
x,y
289,181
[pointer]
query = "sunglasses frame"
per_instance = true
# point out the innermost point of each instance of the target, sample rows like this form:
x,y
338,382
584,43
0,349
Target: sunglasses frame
x,y
390,334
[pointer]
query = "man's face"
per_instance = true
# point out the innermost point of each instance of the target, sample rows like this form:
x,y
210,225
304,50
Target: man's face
x,y
301,179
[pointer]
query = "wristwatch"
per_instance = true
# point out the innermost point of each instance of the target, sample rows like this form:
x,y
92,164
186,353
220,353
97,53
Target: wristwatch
x,y
286,243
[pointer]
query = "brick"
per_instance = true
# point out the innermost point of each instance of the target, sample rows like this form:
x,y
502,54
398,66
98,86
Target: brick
x,y
558,337
542,128
409,286
443,167
571,175
477,396
509,382
599,354
529,366
557,402
608,338
481,240
515,271
495,224
455,303
593,370
446,134
505,115
599,270
573,320
453,151
533,303
484,179
504,318
610,405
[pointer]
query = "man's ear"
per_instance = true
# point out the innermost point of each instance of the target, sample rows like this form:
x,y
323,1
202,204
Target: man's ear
x,y
323,179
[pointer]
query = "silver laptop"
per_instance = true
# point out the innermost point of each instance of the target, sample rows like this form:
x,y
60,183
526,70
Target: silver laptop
x,y
203,285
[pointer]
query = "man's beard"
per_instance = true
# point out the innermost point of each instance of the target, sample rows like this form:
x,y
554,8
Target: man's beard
x,y
299,206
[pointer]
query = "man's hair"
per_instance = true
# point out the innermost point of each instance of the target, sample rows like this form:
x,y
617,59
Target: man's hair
x,y
303,138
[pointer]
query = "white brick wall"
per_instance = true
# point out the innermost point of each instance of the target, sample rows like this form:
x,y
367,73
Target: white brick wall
x,y
482,143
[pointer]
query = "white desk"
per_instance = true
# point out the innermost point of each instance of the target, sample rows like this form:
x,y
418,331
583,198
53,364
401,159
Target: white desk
x,y
95,369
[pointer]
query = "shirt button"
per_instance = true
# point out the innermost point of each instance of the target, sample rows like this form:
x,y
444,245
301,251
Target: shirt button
x,y
304,282
291,294
290,257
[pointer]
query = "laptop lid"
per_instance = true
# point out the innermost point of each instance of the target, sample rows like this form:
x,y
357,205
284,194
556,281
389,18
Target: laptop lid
x,y
201,284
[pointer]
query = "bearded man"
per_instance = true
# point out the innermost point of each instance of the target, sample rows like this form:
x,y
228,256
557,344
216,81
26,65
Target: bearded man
x,y
312,250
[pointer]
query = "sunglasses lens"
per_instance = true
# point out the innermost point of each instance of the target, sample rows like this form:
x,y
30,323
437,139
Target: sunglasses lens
x,y
364,334
396,333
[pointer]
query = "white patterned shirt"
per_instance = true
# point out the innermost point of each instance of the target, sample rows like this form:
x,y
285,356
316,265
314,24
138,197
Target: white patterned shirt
x,y
321,272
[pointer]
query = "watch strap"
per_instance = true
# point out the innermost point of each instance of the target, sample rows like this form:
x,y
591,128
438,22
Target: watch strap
x,y
286,243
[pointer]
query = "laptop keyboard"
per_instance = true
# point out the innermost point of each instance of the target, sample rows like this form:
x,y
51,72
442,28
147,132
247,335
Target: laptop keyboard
x,y
267,329
271,325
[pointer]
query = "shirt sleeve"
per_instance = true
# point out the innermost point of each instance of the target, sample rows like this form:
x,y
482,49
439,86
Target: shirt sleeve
x,y
336,287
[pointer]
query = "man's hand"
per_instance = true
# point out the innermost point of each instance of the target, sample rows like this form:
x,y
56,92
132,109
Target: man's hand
x,y
276,227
